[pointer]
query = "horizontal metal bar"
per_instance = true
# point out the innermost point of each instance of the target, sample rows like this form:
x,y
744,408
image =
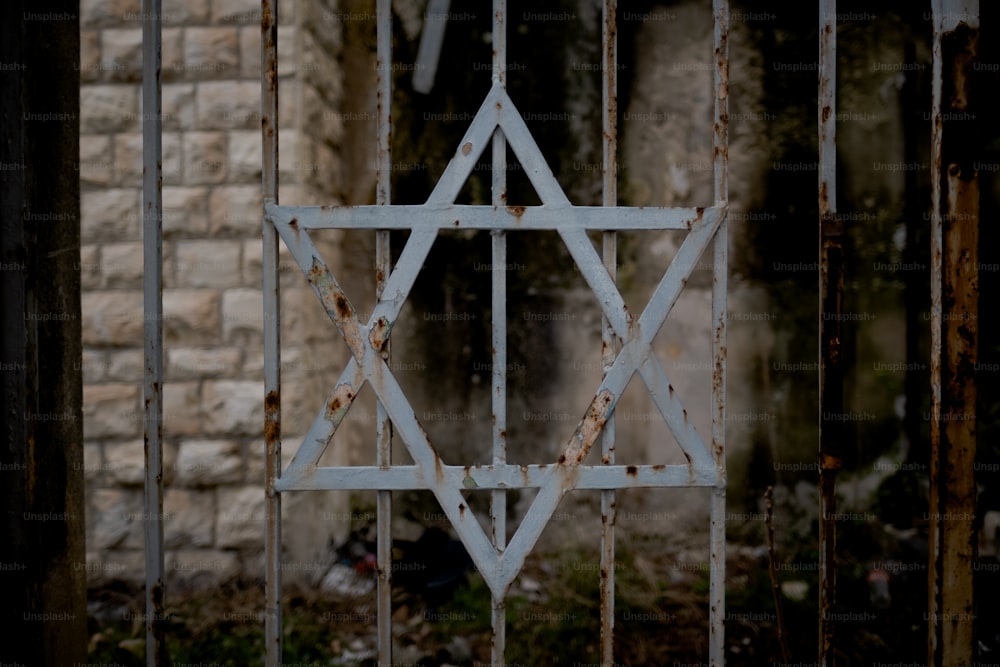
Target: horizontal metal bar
x,y
488,217
503,476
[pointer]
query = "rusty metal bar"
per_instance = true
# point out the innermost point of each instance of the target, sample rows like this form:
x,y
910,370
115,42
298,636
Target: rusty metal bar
x,y
609,341
720,271
152,282
445,215
309,477
383,268
498,498
954,334
831,284
272,334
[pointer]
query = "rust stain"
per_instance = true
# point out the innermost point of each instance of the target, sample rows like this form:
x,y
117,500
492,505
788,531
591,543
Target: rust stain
x,y
587,431
316,271
339,404
631,471
343,307
272,402
272,410
467,148
266,20
828,462
380,333
516,211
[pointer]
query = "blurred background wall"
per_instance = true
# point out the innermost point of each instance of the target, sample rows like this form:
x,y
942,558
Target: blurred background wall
x,y
213,412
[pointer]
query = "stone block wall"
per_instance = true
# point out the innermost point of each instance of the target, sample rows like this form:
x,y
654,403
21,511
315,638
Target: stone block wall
x,y
213,319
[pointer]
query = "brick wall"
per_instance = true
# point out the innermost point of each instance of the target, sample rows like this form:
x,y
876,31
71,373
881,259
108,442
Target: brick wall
x,y
213,394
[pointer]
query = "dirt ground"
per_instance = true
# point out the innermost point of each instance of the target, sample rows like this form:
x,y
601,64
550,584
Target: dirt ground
x,y
552,618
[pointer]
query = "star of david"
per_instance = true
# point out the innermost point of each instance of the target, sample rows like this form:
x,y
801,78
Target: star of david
x,y
498,566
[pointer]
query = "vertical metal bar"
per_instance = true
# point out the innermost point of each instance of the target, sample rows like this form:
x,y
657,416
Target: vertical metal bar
x,y
954,334
272,334
431,41
609,342
720,269
934,527
383,265
498,499
831,280
152,227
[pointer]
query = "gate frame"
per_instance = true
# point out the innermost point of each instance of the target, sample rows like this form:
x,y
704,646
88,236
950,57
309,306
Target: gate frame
x,y
619,328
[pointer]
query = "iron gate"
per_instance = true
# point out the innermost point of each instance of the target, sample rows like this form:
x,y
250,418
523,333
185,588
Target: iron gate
x,y
626,338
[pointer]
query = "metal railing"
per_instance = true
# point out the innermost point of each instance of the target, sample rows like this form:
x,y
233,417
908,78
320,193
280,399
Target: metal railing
x,y
626,340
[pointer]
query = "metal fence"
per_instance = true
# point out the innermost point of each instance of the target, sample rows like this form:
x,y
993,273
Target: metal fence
x,y
626,341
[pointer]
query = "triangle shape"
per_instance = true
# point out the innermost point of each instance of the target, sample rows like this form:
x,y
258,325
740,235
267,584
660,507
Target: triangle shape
x,y
497,110
326,423
518,189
